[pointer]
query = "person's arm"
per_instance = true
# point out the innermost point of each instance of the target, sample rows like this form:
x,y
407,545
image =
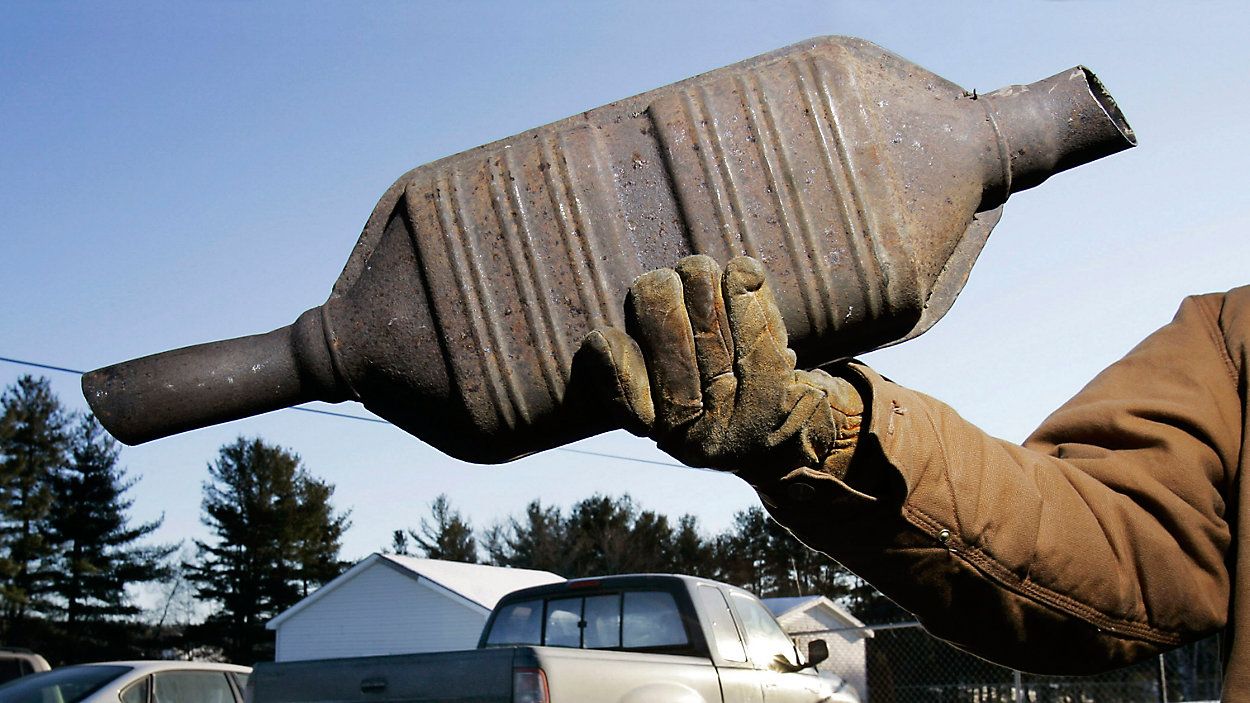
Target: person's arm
x,y
1100,541
1103,539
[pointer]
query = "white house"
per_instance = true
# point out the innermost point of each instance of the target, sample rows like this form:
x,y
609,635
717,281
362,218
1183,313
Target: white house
x,y
389,604
808,618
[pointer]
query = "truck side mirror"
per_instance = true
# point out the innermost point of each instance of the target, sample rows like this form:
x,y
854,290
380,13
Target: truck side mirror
x,y
817,651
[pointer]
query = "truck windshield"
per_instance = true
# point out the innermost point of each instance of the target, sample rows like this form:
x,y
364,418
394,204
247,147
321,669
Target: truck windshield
x,y
630,620
765,638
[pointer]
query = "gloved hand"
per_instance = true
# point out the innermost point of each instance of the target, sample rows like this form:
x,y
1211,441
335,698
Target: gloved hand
x,y
711,379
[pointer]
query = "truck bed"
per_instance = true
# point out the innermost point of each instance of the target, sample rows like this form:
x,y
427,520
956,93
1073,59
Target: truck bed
x,y
470,676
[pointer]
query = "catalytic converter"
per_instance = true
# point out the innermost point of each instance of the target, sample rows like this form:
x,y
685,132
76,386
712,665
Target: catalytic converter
x,y
866,184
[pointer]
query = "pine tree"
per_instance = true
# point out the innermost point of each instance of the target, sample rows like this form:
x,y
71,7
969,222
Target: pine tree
x,y
601,535
449,537
399,544
692,554
539,541
743,550
651,541
277,536
316,534
100,554
33,445
599,531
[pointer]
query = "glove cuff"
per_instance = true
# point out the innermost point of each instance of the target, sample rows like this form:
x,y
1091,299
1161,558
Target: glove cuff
x,y
820,433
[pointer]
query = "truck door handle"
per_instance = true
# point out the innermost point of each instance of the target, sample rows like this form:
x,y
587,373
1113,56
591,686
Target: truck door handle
x,y
376,684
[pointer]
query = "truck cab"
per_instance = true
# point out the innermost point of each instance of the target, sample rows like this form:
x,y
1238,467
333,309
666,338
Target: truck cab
x,y
675,620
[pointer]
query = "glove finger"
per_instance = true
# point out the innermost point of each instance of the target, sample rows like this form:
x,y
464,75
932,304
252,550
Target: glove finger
x,y
705,304
762,359
624,372
662,329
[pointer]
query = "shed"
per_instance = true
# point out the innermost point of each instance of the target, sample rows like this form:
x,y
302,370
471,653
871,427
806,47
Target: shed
x,y
806,618
390,604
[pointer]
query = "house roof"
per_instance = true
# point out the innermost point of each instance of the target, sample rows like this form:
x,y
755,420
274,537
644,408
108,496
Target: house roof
x,y
478,584
781,607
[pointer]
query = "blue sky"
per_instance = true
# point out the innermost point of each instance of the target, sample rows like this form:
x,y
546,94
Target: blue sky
x,y
176,173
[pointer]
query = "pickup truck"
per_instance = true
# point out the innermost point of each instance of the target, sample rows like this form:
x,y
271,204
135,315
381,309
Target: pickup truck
x,y
618,639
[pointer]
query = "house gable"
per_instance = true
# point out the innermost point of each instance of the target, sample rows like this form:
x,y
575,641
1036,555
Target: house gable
x,y
380,610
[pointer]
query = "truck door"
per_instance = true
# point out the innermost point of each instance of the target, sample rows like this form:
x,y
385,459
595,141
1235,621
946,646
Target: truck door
x,y
739,681
770,649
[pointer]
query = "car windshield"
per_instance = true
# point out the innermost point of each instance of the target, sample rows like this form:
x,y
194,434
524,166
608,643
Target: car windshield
x,y
70,684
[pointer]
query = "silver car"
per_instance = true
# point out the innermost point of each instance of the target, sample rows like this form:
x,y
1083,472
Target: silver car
x,y
131,682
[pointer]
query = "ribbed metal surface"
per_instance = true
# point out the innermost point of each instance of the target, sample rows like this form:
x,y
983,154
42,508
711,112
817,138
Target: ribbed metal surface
x,y
528,239
757,175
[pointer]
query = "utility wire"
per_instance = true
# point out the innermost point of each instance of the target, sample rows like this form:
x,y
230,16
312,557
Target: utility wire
x,y
349,416
630,458
62,369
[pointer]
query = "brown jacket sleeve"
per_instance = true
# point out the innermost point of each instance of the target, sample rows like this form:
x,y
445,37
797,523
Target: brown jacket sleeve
x,y
1102,540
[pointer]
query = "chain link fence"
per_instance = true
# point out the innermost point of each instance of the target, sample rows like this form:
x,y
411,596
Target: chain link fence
x,y
901,663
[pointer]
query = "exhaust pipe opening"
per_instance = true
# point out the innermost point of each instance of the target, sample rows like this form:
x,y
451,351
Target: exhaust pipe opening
x,y
1109,106
1050,126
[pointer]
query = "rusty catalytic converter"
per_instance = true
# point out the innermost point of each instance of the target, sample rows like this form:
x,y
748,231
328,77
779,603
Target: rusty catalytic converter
x,y
865,183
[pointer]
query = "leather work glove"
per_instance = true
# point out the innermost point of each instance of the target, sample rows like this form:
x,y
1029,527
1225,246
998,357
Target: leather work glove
x,y
709,376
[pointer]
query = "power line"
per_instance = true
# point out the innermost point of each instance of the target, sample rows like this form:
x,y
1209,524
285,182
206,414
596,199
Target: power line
x,y
62,369
630,458
331,413
349,416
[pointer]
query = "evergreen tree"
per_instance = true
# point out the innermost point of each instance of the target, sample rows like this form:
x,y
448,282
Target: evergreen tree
x,y
315,534
604,535
449,537
399,544
743,551
100,554
691,553
538,541
601,535
650,544
277,536
33,445
600,530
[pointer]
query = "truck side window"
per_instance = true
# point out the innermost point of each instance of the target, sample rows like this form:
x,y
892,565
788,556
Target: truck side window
x,y
603,622
728,641
651,619
564,617
765,638
517,623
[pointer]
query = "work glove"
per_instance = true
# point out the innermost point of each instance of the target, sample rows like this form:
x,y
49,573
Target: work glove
x,y
707,374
